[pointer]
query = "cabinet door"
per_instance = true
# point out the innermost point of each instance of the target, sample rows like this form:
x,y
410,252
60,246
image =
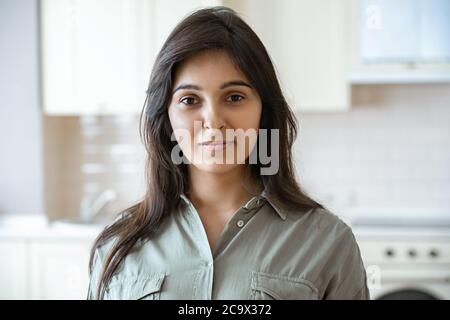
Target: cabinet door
x,y
96,55
307,41
366,19
13,269
59,269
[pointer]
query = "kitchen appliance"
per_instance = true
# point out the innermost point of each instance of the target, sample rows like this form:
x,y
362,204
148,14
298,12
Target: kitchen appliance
x,y
407,262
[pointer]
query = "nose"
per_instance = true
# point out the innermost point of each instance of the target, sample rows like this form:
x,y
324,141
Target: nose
x,y
212,117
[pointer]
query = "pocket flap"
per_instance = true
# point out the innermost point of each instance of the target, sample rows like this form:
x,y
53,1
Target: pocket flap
x,y
135,288
272,286
147,286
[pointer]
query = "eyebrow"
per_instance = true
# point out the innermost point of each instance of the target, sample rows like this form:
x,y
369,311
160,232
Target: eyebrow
x,y
223,86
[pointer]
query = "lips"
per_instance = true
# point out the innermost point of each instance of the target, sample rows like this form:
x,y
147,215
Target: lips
x,y
216,145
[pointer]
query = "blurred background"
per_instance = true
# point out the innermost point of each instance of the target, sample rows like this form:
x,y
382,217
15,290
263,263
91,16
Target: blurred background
x,y
369,81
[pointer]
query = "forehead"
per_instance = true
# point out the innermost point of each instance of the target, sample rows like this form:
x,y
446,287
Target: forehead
x,y
209,66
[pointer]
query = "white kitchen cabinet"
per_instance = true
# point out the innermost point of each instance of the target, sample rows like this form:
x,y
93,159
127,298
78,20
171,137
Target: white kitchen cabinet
x,y
97,55
44,266
59,269
367,18
13,269
308,42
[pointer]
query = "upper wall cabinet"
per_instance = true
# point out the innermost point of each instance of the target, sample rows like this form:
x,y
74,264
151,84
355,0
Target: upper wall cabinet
x,y
97,55
399,41
308,43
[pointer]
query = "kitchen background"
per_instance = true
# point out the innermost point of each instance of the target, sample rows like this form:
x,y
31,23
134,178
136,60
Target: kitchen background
x,y
369,81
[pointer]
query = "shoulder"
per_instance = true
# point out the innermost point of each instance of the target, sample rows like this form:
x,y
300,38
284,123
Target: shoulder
x,y
346,274
102,249
313,218
100,253
328,220
334,243
324,233
317,230
321,221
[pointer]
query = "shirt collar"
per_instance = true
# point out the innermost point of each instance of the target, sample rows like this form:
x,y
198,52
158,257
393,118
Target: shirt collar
x,y
275,205
255,202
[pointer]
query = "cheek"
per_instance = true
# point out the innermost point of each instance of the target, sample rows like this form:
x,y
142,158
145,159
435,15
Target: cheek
x,y
183,129
253,123
249,118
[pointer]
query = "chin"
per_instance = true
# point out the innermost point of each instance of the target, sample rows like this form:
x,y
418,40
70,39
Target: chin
x,y
216,168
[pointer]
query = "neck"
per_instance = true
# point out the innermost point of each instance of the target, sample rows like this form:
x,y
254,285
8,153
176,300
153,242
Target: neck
x,y
221,191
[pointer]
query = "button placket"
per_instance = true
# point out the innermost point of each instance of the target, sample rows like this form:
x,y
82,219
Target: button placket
x,y
252,206
238,221
201,235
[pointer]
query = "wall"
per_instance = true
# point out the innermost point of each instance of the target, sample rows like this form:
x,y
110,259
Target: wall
x,y
388,157
20,119
87,156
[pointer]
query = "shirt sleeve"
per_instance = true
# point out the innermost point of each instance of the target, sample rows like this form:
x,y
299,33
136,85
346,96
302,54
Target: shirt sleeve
x,y
362,294
97,266
348,280
94,277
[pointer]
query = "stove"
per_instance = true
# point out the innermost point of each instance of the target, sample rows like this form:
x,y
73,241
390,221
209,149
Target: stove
x,y
405,261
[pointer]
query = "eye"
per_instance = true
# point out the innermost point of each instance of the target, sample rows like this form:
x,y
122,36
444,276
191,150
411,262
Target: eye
x,y
235,98
189,100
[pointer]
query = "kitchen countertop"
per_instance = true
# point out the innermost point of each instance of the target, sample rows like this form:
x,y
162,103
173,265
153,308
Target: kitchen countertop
x,y
27,226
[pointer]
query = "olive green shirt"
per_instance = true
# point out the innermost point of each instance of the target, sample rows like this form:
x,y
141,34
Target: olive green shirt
x,y
264,252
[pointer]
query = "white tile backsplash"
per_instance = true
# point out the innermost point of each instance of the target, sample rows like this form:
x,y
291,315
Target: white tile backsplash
x,y
389,154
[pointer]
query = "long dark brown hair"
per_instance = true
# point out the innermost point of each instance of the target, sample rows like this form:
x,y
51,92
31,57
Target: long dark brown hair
x,y
211,28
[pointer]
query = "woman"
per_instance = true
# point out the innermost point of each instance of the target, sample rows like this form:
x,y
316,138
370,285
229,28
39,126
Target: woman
x,y
222,230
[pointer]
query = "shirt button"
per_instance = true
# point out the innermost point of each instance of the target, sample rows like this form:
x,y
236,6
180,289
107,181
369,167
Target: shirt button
x,y
240,223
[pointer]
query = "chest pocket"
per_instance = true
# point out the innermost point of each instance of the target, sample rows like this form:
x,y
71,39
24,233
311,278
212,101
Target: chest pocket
x,y
135,287
265,286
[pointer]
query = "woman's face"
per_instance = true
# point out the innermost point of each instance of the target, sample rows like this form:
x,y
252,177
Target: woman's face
x,y
213,101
